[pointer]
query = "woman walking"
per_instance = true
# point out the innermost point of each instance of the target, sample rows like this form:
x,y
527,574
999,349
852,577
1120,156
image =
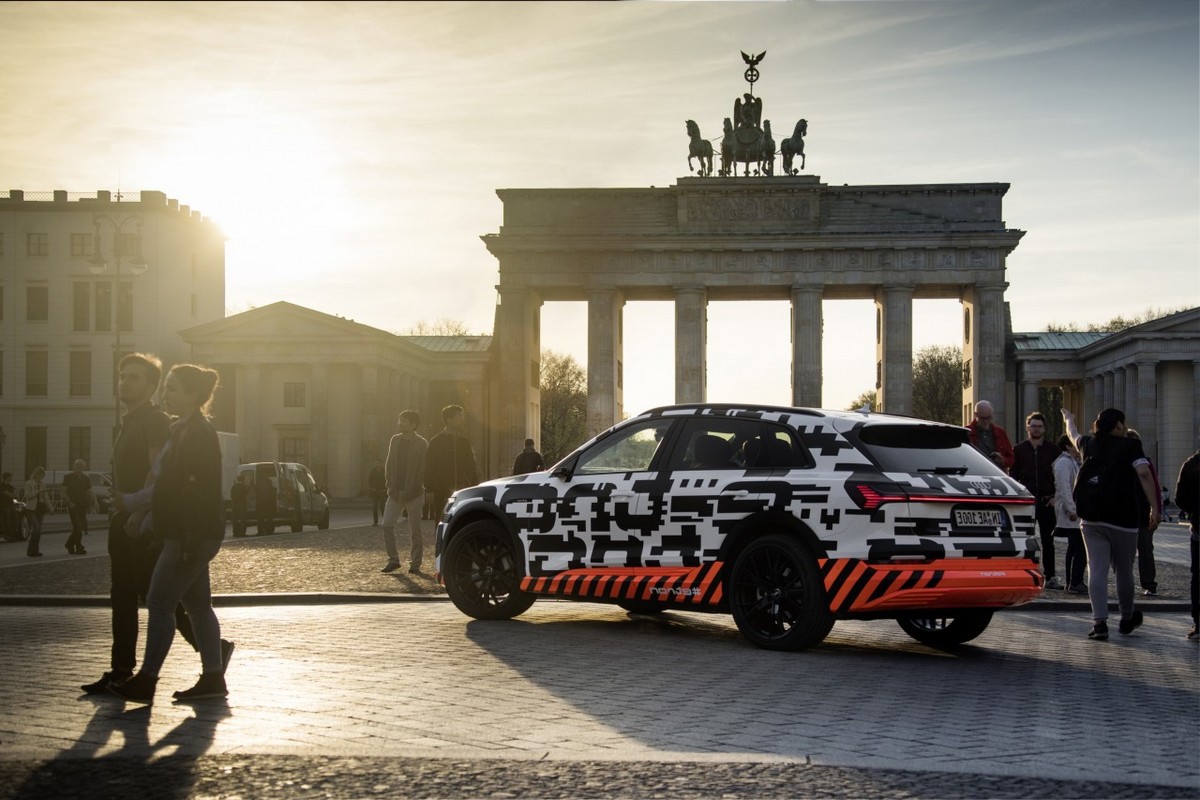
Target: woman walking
x,y
34,495
1110,526
182,506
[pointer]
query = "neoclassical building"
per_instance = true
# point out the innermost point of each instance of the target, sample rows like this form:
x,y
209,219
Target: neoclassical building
x,y
301,385
1150,371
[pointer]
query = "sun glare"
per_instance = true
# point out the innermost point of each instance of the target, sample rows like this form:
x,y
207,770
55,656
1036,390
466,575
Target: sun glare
x,y
270,180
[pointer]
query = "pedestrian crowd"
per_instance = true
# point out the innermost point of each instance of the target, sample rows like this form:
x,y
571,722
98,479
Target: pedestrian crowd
x,y
1103,495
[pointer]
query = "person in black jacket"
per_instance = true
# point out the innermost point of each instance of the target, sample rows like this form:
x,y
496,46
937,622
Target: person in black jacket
x,y
450,461
1187,497
528,460
184,508
1033,466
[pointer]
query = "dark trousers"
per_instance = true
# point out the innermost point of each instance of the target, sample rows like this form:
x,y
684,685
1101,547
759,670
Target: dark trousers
x,y
78,515
378,499
1195,552
1076,558
1147,572
1046,520
35,532
132,562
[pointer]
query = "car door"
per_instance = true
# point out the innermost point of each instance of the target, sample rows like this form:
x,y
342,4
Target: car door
x,y
604,505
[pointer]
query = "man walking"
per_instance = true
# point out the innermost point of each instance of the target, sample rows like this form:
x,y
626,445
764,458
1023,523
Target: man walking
x,y
1033,466
1187,497
451,463
404,474
144,430
80,500
528,460
989,437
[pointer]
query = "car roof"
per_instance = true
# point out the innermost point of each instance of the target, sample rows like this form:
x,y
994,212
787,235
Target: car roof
x,y
841,416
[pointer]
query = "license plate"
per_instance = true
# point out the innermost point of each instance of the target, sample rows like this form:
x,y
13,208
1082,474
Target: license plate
x,y
977,518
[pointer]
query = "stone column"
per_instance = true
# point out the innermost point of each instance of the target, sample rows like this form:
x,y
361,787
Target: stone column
x,y
519,348
1109,385
1143,416
604,359
246,414
983,347
1029,404
807,330
318,424
1195,429
893,348
1129,399
691,344
1120,384
1097,401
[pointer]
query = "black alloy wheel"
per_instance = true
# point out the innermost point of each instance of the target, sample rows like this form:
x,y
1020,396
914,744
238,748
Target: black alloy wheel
x,y
776,595
481,573
949,630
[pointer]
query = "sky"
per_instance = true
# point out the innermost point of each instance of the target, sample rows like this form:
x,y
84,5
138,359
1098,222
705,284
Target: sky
x,y
352,151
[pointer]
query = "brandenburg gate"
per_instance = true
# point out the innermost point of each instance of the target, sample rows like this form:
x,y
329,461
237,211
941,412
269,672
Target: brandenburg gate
x,y
761,236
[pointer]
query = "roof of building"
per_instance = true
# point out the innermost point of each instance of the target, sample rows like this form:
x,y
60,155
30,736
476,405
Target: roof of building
x,y
451,344
1056,340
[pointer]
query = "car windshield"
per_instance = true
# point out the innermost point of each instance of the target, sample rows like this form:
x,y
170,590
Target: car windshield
x,y
936,449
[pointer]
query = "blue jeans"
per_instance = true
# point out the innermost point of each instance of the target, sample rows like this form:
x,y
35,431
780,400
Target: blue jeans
x,y
177,581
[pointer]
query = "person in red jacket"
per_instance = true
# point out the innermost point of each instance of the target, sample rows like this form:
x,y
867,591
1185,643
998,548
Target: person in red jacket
x,y
989,437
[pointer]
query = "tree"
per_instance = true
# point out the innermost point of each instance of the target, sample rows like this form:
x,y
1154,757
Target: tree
x,y
443,327
564,405
938,383
1117,323
869,398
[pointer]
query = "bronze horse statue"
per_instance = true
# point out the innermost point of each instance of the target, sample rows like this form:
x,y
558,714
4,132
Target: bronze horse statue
x,y
794,146
766,156
699,148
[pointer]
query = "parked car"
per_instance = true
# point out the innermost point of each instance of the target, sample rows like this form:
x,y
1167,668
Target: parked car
x,y
17,527
299,501
102,486
787,518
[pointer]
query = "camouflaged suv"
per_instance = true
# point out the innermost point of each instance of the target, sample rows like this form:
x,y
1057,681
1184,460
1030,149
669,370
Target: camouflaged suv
x,y
787,518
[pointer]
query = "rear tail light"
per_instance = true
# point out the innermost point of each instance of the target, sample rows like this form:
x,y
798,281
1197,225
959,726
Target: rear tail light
x,y
874,495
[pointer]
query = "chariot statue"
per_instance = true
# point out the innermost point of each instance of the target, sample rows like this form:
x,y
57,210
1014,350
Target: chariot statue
x,y
746,138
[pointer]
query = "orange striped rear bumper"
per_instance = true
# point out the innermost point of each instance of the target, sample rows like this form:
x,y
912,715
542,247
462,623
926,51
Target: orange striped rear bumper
x,y
696,586
854,586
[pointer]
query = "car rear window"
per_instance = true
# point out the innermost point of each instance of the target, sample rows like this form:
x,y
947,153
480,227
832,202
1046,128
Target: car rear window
x,y
937,449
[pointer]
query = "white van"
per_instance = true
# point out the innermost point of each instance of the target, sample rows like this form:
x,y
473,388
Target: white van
x,y
299,501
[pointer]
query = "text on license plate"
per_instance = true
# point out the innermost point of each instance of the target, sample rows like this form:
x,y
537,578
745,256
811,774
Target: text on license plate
x,y
977,518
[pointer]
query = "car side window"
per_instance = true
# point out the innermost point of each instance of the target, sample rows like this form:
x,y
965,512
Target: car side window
x,y
776,448
631,449
713,443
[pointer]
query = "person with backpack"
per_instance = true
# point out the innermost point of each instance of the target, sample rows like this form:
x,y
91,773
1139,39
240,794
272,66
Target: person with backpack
x,y
1114,472
1187,497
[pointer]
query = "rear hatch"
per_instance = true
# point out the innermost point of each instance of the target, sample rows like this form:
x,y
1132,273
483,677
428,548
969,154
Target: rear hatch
x,y
959,503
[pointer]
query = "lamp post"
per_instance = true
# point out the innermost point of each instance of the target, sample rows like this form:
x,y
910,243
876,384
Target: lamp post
x,y
136,266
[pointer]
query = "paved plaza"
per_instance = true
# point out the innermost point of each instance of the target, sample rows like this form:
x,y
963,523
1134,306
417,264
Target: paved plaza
x,y
404,696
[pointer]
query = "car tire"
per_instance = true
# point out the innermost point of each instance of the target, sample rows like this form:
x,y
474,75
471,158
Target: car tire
x,y
24,527
481,574
947,631
776,595
298,522
323,523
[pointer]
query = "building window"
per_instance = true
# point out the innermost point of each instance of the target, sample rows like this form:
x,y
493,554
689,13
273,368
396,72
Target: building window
x,y
35,449
81,245
37,303
1,303
37,244
81,299
81,373
293,394
36,371
79,444
128,245
103,306
293,448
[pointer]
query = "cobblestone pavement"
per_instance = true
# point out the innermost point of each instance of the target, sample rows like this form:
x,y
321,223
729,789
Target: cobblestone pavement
x,y
412,699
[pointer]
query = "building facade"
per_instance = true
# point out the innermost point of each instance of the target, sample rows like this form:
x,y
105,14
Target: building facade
x,y
84,279
301,385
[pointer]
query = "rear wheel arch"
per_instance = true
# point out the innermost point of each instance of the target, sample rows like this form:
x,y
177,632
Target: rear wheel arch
x,y
767,523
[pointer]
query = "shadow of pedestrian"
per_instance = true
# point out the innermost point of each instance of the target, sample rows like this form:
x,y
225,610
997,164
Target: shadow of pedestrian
x,y
164,770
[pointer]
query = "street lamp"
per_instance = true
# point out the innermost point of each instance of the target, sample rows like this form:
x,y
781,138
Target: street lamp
x,y
136,266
